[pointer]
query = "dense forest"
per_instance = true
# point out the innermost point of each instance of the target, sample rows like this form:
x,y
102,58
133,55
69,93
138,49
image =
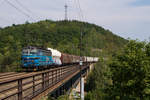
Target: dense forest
x,y
61,35
125,76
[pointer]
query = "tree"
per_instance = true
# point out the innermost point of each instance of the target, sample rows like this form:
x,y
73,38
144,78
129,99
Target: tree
x,y
130,73
97,81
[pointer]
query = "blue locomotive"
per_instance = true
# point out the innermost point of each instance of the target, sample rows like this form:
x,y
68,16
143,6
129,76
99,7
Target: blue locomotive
x,y
34,57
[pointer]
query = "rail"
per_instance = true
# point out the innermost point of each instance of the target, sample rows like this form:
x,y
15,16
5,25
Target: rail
x,y
30,85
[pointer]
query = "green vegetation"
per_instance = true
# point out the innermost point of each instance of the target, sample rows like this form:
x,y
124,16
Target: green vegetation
x,y
126,77
123,76
61,35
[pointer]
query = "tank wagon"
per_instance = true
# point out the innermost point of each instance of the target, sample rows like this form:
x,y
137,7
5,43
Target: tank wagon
x,y
38,58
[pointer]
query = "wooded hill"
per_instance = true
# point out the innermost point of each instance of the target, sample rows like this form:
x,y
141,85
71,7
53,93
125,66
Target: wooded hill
x,y
61,35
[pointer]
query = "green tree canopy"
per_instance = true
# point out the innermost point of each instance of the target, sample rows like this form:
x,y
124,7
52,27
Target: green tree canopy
x,y
130,73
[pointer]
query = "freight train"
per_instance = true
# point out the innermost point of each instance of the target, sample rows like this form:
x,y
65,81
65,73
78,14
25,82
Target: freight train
x,y
37,58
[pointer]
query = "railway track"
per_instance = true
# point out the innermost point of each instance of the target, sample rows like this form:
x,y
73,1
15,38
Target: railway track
x,y
14,75
7,73
10,75
31,82
4,77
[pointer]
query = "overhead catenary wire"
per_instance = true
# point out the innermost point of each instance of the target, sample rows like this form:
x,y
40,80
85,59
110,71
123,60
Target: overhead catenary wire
x,y
19,10
78,11
25,8
81,53
81,15
3,18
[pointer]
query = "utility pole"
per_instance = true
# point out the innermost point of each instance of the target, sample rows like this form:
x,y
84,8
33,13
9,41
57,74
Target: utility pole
x,y
81,64
66,11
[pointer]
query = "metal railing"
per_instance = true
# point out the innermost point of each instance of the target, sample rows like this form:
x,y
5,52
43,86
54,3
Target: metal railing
x,y
29,86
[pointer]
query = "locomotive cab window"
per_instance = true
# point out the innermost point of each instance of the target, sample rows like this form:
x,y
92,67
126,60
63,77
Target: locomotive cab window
x,y
39,52
49,53
25,51
33,51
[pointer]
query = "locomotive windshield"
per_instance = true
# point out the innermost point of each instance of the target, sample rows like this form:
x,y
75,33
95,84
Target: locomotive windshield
x,y
33,51
29,51
25,51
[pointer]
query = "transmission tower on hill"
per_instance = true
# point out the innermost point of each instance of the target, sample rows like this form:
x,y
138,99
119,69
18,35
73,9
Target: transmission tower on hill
x,y
66,12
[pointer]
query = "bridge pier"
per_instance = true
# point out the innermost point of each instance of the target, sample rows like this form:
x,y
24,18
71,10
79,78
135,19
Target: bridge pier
x,y
76,89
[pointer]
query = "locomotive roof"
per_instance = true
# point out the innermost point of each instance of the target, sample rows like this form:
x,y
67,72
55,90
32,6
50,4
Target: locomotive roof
x,y
55,52
35,47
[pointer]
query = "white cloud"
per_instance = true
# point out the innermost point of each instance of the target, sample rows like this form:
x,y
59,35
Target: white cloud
x,y
118,16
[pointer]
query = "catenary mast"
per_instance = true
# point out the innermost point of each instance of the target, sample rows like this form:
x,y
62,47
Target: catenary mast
x,y
66,12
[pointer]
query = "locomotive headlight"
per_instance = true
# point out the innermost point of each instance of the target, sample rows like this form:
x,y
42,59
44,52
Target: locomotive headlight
x,y
81,63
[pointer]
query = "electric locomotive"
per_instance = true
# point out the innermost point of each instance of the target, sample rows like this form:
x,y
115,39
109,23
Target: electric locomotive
x,y
34,57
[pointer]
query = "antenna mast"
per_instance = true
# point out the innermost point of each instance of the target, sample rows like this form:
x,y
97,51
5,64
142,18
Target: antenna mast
x,y
66,11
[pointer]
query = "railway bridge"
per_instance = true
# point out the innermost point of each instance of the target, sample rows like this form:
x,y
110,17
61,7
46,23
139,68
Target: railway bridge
x,y
35,85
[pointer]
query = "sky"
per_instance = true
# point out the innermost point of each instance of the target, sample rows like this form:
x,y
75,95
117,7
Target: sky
x,y
126,18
